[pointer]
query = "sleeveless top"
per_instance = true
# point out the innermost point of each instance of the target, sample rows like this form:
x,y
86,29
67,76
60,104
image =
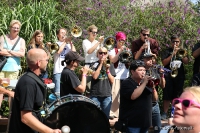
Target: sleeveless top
x,y
13,63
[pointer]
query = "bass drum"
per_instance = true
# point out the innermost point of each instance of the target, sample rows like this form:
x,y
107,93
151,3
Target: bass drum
x,y
78,112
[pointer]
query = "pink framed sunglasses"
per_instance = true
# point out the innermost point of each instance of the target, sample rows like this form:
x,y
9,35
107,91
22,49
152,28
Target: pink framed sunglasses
x,y
185,102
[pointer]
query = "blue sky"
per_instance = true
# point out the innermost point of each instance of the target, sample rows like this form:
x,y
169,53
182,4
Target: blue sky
x,y
194,1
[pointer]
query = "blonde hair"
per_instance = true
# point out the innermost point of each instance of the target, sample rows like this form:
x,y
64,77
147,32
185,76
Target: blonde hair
x,y
15,22
32,41
195,91
91,27
102,49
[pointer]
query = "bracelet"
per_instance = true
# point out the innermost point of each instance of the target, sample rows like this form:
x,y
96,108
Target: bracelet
x,y
84,75
108,72
162,76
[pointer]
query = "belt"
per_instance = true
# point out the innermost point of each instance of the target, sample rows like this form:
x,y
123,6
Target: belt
x,y
153,104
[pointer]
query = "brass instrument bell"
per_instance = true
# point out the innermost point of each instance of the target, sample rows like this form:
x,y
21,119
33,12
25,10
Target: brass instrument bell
x,y
76,31
109,43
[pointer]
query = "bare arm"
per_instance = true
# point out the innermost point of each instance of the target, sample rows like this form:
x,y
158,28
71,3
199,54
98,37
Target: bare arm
x,y
97,72
110,77
30,120
196,53
167,60
138,91
82,86
7,92
155,94
185,60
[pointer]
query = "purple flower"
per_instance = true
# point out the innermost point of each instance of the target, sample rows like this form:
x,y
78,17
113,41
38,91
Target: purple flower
x,y
167,45
186,41
88,8
198,30
164,29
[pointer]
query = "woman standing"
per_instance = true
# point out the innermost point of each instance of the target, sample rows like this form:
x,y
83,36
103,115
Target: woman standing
x,y
12,67
90,47
65,45
37,42
121,70
102,80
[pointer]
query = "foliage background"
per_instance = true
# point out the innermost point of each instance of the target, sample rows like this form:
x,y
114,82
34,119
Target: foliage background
x,y
110,16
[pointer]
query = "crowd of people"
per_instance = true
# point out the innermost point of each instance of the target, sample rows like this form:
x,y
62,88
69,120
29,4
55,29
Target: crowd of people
x,y
126,90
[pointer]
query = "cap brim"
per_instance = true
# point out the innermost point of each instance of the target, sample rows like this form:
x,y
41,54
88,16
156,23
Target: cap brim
x,y
148,55
80,58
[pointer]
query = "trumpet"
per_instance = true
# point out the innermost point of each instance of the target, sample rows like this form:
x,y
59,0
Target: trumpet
x,y
107,62
175,64
109,43
181,53
147,50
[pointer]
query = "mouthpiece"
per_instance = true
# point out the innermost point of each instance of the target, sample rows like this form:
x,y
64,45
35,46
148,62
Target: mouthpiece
x,y
65,129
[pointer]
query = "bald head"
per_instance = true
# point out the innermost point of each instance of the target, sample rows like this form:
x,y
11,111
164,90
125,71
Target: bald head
x,y
34,55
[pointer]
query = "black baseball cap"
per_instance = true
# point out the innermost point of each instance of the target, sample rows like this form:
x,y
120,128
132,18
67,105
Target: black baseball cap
x,y
72,55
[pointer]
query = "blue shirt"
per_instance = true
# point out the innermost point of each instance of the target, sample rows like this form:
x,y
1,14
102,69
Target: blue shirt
x,y
13,63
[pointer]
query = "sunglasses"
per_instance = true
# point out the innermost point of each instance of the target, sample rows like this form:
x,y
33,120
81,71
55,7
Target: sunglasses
x,y
122,41
93,32
145,34
105,53
175,41
185,102
138,63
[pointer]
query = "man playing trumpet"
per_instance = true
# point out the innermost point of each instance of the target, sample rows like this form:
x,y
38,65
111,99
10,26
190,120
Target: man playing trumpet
x,y
174,85
139,45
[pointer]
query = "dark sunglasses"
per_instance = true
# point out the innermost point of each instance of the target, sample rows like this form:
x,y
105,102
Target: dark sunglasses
x,y
145,34
175,41
93,32
139,63
105,53
122,41
185,102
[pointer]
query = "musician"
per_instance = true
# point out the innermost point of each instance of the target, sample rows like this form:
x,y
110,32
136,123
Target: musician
x,y
29,97
12,66
90,47
121,70
153,83
135,100
139,45
102,80
196,55
69,81
37,42
174,86
196,80
65,45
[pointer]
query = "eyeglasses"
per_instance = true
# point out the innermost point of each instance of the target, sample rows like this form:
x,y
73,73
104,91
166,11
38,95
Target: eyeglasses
x,y
145,34
185,102
175,41
93,32
17,28
105,53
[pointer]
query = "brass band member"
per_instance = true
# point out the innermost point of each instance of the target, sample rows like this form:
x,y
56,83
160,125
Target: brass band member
x,y
196,55
65,45
174,86
121,70
90,47
139,45
37,42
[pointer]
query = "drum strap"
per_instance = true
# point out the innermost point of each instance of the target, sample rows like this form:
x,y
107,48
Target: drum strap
x,y
42,84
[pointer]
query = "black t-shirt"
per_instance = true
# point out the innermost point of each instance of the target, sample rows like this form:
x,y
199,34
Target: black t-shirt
x,y
28,97
196,64
166,54
101,87
196,80
68,82
138,112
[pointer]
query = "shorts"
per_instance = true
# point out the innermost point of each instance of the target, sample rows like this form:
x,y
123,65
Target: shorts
x,y
173,88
